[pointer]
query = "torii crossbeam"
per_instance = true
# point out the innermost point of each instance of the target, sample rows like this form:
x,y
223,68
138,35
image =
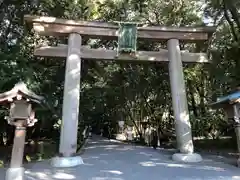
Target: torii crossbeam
x,y
51,26
105,54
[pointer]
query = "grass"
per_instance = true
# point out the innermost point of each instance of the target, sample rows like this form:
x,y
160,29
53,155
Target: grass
x,y
39,151
43,150
226,147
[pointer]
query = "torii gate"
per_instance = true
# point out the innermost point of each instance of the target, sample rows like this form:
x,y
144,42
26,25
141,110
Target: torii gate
x,y
74,52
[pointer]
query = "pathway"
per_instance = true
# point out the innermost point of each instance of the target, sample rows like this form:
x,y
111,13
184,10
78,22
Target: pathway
x,y
112,160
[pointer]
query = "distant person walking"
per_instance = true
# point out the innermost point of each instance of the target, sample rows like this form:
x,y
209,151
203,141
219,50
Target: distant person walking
x,y
109,131
154,142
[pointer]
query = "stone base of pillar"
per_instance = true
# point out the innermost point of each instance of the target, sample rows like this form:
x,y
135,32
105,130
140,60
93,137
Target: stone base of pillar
x,y
15,174
64,162
187,158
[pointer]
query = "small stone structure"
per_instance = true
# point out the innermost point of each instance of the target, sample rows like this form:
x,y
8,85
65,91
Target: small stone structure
x,y
120,136
20,101
231,105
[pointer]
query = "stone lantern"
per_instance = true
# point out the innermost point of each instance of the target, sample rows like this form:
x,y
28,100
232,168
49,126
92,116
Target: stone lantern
x,y
21,103
121,125
120,135
231,105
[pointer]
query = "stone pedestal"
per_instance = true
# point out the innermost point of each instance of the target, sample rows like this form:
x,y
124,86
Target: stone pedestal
x,y
16,171
15,174
18,147
180,108
237,131
62,162
187,158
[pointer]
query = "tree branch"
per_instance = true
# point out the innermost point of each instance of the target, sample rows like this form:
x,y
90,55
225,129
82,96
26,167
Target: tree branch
x,y
234,12
230,22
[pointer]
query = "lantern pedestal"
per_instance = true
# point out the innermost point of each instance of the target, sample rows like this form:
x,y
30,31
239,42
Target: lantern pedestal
x,y
15,173
187,158
18,147
237,131
63,162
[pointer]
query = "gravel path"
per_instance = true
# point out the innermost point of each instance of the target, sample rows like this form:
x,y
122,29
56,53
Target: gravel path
x,y
111,160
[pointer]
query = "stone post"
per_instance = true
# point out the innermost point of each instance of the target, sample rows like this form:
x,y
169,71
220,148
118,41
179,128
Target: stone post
x,y
180,107
69,128
16,170
237,128
237,131
18,147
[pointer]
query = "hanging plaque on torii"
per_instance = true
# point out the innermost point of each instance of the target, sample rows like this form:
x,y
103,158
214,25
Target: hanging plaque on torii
x,y
127,38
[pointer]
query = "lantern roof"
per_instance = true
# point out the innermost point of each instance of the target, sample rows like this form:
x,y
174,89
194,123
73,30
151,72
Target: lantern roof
x,y
18,91
231,98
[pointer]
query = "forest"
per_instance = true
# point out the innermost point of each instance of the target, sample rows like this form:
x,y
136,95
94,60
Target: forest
x,y
114,90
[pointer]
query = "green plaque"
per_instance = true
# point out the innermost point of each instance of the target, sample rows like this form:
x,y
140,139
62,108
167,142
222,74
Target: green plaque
x,y
127,38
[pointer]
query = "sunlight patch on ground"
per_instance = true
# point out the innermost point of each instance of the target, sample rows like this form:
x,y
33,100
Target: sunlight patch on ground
x,y
146,154
38,175
60,175
92,142
155,159
210,168
47,176
125,148
112,172
106,178
147,164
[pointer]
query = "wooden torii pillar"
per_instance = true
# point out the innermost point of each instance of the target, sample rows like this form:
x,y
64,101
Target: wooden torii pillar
x,y
180,106
74,52
71,98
